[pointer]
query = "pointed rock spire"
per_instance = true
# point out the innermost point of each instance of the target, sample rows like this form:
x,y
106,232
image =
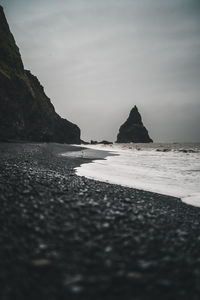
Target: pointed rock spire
x,y
133,129
134,116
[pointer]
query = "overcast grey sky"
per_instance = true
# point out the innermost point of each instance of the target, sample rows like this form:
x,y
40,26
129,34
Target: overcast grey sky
x,y
98,58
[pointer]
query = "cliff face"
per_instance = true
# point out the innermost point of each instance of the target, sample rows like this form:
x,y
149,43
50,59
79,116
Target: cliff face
x,y
26,112
133,129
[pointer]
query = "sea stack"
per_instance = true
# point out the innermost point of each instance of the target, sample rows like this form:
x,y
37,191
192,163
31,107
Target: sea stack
x,y
26,112
133,130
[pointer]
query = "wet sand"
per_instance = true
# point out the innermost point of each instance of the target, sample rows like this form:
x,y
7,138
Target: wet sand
x,y
68,237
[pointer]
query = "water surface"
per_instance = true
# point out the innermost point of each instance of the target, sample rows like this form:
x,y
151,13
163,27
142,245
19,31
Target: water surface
x,y
170,169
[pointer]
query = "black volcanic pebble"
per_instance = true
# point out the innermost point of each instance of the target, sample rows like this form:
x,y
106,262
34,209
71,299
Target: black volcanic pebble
x,y
68,237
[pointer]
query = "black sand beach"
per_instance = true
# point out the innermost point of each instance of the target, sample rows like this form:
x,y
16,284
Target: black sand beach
x,y
67,237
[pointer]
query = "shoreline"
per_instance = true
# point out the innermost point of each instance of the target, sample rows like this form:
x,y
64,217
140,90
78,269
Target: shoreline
x,y
94,155
65,236
158,170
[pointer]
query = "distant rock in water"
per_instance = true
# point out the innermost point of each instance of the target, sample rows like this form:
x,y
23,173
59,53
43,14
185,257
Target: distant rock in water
x,y
93,142
26,112
133,129
104,142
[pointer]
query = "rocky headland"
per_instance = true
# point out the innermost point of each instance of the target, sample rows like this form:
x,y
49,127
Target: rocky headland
x,y
26,112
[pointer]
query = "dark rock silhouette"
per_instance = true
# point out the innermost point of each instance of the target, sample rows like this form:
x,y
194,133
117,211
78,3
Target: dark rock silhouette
x,y
93,142
133,129
84,142
26,112
104,142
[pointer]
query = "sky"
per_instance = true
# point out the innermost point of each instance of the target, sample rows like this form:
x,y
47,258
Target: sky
x,y
97,59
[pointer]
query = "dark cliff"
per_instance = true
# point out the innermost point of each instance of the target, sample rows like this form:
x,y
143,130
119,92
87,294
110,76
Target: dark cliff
x,y
133,129
26,112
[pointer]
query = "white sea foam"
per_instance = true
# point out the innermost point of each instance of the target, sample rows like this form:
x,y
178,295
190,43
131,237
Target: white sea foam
x,y
170,169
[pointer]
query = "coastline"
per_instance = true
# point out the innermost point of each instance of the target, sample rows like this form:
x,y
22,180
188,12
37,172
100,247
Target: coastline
x,y
69,236
158,168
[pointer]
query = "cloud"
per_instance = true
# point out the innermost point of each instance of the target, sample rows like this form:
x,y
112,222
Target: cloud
x,y
97,59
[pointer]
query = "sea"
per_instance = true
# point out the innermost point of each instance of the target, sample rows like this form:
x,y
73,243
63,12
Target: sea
x,y
166,168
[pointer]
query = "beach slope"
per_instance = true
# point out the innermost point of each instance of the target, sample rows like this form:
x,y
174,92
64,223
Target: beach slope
x,y
67,237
